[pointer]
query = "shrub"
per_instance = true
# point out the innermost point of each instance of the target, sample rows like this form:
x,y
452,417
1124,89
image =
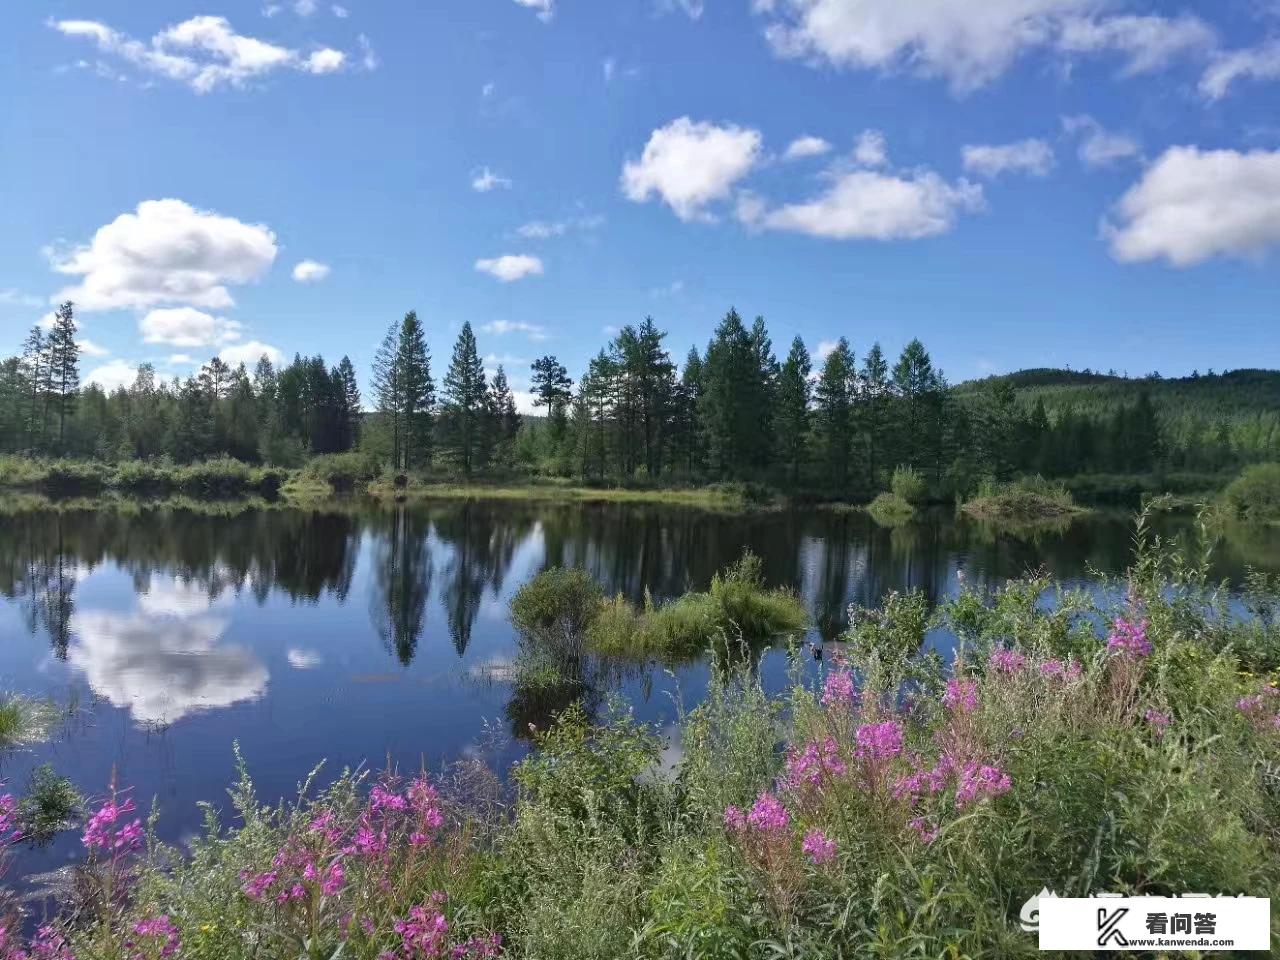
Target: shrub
x,y
890,510
1026,499
559,600
907,484
343,472
50,805
1255,494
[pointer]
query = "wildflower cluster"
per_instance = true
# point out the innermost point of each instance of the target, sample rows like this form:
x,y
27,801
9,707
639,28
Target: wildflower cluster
x,y
1128,639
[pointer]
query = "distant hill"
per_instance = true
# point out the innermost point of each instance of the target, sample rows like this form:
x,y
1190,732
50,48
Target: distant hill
x,y
1232,396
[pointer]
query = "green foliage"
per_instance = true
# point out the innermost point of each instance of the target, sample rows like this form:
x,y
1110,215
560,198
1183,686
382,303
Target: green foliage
x,y
24,720
1255,494
907,484
1025,499
890,510
343,472
50,804
562,600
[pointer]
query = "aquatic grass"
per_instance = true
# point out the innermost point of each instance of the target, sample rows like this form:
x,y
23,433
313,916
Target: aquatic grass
x,y
211,479
25,720
1024,500
891,510
49,805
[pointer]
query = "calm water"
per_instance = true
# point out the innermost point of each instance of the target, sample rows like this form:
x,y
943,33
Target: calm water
x,y
368,633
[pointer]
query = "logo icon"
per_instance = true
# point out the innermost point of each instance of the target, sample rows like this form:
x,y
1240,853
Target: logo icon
x,y
1109,926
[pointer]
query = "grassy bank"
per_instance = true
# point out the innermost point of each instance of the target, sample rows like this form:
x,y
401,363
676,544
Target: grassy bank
x,y
910,812
1254,496
210,479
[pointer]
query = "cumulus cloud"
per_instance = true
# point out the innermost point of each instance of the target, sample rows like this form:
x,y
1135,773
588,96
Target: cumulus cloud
x,y
90,349
803,147
162,668
511,267
172,597
204,52
484,180
302,659
250,353
1254,63
870,205
112,375
967,44
188,327
1034,157
166,252
546,9
871,150
499,328
689,165
1192,205
310,271
1100,147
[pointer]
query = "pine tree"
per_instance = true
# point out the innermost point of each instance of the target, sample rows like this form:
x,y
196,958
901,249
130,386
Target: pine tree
x,y
875,399
416,389
731,399
387,389
833,418
552,389
35,355
915,382
506,421
466,409
791,419
64,370
350,401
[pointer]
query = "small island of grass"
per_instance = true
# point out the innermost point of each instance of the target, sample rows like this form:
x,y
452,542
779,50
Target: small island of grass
x,y
566,608
1027,500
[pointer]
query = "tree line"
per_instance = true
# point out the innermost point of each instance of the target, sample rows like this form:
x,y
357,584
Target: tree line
x,y
733,411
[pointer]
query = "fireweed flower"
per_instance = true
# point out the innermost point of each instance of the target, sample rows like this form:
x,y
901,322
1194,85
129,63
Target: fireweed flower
x,y
734,818
961,695
926,833
100,832
161,931
818,847
1129,639
879,741
815,763
1007,661
1159,720
426,931
979,783
839,689
768,815
478,948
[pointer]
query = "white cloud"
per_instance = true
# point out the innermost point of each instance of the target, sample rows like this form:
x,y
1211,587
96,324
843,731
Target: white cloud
x,y
693,8
546,9
310,271
304,8
250,353
340,11
180,359
327,60
548,229
166,252
869,205
90,349
609,67
672,289
499,328
827,347
967,44
871,150
511,267
485,180
1100,147
173,597
689,165
368,56
1255,63
1192,205
162,668
110,376
188,327
1034,157
204,52
806,146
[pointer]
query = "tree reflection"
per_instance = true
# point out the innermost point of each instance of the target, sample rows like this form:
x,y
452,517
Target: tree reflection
x,y
402,582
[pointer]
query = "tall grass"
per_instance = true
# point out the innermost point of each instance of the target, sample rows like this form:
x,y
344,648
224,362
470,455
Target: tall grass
x,y
1255,494
1025,499
210,479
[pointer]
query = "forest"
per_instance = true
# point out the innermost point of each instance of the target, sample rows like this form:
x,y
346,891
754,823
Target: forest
x,y
736,410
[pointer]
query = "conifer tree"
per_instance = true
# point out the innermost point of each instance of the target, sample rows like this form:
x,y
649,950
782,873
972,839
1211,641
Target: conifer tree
x,y
64,369
417,391
466,408
791,419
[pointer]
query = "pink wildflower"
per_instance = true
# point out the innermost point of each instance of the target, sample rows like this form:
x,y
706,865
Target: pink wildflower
x,y
818,847
815,763
734,818
879,741
979,783
158,928
1007,661
768,814
1129,639
961,695
425,933
839,688
1159,720
100,832
926,833
479,948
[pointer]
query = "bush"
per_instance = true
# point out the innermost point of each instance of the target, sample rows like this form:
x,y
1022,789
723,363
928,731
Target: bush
x,y
50,805
559,600
890,510
1025,499
907,484
343,472
1255,494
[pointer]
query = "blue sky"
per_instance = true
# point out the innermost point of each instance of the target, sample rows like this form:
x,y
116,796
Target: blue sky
x,y
1042,182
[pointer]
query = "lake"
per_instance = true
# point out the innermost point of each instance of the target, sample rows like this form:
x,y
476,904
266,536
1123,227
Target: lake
x,y
362,632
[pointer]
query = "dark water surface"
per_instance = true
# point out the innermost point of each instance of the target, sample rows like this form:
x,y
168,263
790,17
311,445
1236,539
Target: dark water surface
x,y
365,633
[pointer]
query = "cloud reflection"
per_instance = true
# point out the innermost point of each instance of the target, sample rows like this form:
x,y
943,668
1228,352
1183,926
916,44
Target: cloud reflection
x,y
162,668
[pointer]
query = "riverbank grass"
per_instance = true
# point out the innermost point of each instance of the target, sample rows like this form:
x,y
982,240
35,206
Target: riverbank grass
x,y
25,720
1254,496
